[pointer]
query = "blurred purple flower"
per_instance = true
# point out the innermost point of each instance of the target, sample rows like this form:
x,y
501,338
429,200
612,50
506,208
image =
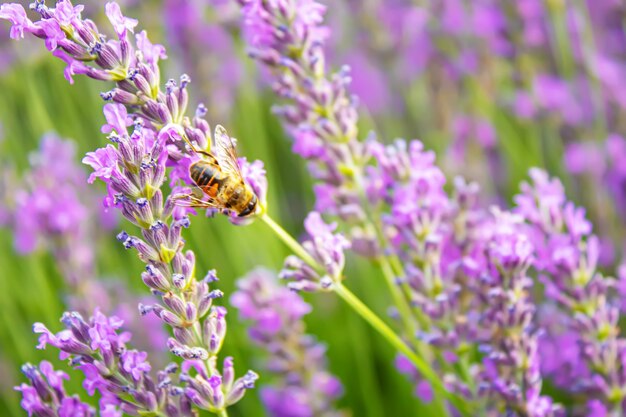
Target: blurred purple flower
x,y
368,83
49,209
304,387
585,158
200,41
567,260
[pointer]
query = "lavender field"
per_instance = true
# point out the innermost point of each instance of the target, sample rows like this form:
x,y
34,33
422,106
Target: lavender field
x,y
306,208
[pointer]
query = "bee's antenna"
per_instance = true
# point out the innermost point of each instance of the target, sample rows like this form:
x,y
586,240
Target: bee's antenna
x,y
196,150
191,145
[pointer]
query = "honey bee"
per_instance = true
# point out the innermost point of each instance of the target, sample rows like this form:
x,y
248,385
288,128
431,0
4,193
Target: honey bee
x,y
218,176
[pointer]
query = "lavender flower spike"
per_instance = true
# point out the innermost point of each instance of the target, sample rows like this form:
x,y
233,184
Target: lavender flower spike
x,y
304,387
186,306
326,249
567,257
50,207
134,168
511,365
121,375
45,395
288,37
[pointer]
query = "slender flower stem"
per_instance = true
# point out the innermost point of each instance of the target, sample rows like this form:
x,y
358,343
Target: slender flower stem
x,y
401,302
222,413
401,298
292,243
385,331
376,322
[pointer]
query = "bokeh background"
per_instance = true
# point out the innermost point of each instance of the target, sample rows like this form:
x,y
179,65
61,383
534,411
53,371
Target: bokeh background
x,y
493,86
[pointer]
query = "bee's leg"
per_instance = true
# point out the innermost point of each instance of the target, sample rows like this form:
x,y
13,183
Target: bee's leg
x,y
195,202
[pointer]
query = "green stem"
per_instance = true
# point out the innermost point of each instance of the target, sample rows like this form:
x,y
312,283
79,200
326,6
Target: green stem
x,y
222,413
381,327
368,315
401,296
403,306
292,243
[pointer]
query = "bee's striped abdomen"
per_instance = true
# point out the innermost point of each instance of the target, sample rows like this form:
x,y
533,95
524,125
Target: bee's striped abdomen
x,y
206,176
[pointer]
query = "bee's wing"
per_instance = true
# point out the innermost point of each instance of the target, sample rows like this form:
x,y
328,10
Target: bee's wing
x,y
225,152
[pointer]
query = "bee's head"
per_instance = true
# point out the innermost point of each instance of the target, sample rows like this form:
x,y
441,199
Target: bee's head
x,y
250,207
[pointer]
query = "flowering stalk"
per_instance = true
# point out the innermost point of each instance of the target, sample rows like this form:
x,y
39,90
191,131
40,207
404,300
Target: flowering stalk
x,y
45,395
199,327
134,169
568,256
305,387
121,375
511,365
288,37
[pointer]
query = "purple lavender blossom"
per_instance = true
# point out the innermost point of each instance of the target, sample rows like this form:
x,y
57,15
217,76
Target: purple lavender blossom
x,y
48,208
304,387
45,395
121,375
466,273
511,365
52,207
199,327
134,169
326,249
288,37
567,257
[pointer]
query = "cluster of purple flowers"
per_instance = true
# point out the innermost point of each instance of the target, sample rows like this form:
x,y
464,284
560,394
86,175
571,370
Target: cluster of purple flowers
x,y
46,396
134,170
288,37
512,361
121,375
305,387
326,250
567,262
441,251
466,279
